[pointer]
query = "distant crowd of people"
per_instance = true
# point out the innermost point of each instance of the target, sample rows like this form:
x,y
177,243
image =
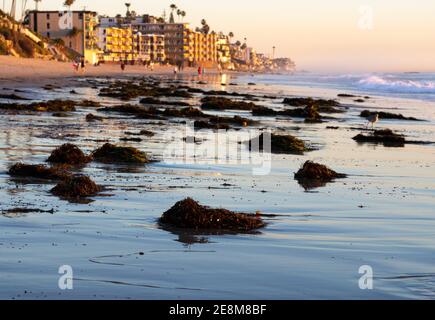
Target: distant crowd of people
x,y
80,66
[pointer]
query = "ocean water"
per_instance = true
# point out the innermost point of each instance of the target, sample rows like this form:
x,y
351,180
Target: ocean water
x,y
412,85
313,247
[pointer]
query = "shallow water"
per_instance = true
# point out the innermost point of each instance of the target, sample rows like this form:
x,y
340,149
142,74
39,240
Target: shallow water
x,y
382,215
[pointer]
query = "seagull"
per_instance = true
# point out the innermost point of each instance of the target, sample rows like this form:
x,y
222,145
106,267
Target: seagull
x,y
372,119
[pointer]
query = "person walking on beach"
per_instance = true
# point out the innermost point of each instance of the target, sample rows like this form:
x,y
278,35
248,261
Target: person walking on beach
x,y
82,64
122,65
199,71
175,70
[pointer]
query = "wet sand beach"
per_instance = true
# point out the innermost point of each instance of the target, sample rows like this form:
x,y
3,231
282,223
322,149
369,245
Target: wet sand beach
x,y
315,239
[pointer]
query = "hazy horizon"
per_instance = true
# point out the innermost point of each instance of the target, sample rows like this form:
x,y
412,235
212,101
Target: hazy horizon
x,y
337,36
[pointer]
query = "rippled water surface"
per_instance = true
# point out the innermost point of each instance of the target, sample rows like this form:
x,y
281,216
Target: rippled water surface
x,y
382,215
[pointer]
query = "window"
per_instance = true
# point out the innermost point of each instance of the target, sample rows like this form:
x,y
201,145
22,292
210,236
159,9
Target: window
x,y
48,35
48,26
60,14
48,16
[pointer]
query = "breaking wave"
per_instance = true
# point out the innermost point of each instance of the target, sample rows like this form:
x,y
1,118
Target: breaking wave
x,y
397,86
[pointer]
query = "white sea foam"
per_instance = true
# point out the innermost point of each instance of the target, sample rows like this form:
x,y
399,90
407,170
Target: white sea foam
x,y
397,86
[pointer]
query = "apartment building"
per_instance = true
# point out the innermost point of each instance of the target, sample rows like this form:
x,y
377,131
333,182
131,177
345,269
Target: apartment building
x,y
152,47
75,28
224,52
182,45
125,43
117,44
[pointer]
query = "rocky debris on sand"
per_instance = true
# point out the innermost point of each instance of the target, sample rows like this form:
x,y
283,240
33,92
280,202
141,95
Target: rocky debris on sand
x,y
110,153
146,133
39,171
279,144
76,187
302,102
385,136
93,118
313,175
61,114
346,95
69,154
12,97
190,214
150,100
137,111
130,90
47,106
309,112
89,103
220,103
130,139
189,112
387,115
201,124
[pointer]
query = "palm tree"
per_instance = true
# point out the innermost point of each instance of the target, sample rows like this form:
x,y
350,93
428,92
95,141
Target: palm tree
x,y
37,4
178,14
68,3
231,34
128,9
183,15
173,7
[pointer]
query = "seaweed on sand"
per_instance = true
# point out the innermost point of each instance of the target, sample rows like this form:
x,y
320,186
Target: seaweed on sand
x,y
47,106
110,153
137,111
188,112
385,136
220,103
39,171
201,124
145,133
302,102
130,90
313,175
190,214
150,100
93,118
89,103
76,187
387,115
279,144
69,154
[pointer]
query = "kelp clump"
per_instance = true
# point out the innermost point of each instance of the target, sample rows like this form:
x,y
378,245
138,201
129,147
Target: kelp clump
x,y
387,115
220,103
47,106
39,171
69,154
279,144
191,215
76,187
384,136
313,175
110,153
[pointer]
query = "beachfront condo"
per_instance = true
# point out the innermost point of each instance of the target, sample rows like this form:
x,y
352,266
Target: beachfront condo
x,y
182,45
76,29
126,43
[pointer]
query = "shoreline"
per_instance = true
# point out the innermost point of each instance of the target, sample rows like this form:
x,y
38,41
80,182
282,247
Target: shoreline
x,y
24,72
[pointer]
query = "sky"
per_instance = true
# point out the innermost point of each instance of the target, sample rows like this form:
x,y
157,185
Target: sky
x,y
319,35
